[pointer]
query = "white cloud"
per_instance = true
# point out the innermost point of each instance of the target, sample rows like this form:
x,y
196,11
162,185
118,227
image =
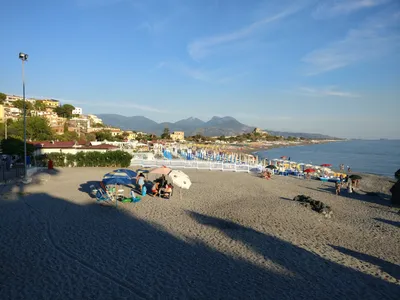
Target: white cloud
x,y
216,76
327,92
332,8
202,47
377,37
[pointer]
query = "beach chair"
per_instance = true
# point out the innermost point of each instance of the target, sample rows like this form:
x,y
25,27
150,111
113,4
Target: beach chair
x,y
102,196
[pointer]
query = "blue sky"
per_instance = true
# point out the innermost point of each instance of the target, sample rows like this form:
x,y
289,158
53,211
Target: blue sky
x,y
330,66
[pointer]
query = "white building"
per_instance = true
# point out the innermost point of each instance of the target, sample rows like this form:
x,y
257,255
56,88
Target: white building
x,y
77,111
95,119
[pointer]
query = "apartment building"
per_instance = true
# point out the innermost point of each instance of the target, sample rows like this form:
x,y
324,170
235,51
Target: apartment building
x,y
50,103
80,125
130,134
178,136
95,119
77,111
2,115
57,124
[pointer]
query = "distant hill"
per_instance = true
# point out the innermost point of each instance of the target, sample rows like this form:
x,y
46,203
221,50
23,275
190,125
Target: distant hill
x,y
316,136
217,126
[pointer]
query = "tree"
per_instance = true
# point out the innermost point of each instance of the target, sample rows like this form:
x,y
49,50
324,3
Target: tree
x,y
165,134
3,98
39,105
104,135
65,111
20,105
16,146
37,129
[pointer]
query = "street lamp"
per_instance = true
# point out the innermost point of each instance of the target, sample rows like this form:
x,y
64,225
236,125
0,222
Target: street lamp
x,y
24,58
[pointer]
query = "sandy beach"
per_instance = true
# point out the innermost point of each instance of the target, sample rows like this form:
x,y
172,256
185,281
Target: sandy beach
x,y
231,236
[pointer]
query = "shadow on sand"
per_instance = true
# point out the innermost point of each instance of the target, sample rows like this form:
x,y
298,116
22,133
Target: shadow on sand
x,y
394,223
388,267
51,248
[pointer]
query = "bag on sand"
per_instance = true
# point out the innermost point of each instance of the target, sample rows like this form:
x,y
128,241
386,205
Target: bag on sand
x,y
144,191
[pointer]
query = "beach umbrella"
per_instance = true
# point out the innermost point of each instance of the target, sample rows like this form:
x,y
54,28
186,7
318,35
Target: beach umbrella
x,y
326,165
162,170
309,171
355,177
177,173
117,178
271,167
129,172
180,180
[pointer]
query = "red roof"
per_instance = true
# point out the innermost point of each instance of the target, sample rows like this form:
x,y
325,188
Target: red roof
x,y
101,146
47,144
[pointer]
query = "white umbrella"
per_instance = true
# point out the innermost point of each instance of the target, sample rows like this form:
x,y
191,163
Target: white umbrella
x,y
177,173
180,180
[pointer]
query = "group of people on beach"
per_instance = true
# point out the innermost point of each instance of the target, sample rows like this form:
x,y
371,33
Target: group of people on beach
x,y
343,180
160,186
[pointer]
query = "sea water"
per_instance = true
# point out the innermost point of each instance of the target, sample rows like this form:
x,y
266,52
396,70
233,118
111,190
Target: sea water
x,y
381,157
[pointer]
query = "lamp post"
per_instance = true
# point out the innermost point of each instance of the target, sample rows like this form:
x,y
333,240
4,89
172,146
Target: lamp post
x,y
24,57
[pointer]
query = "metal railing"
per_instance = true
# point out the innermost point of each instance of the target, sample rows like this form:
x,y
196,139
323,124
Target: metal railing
x,y
196,164
16,171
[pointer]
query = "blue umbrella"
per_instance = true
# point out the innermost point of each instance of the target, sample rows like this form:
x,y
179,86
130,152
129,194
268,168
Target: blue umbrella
x,y
120,176
128,172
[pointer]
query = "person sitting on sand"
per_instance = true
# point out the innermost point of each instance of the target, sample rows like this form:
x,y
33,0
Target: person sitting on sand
x,y
167,191
337,187
140,180
155,189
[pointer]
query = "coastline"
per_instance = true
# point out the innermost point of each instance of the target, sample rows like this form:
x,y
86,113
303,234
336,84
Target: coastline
x,y
254,149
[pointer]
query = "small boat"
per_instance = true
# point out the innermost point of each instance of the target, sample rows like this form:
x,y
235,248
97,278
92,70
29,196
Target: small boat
x,y
324,179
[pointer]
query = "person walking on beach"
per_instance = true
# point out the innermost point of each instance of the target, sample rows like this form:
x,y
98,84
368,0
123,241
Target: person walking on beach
x,y
337,187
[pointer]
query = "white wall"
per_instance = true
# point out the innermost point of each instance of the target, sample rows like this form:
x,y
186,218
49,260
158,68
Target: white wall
x,y
77,111
67,150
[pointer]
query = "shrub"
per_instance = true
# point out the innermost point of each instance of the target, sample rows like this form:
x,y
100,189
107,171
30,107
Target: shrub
x,y
86,159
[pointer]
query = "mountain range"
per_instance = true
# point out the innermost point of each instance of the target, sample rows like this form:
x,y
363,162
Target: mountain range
x,y
216,126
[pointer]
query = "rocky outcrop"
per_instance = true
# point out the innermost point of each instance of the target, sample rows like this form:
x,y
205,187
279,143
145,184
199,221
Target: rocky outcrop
x,y
315,205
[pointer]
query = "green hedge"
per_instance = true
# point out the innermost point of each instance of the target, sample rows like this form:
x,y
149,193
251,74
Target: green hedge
x,y
86,159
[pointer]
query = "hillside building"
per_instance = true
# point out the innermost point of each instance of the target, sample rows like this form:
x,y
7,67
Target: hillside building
x,y
77,111
95,120
178,136
2,115
130,135
50,103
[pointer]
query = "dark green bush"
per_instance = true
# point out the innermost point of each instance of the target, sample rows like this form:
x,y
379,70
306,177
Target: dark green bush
x,y
86,159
